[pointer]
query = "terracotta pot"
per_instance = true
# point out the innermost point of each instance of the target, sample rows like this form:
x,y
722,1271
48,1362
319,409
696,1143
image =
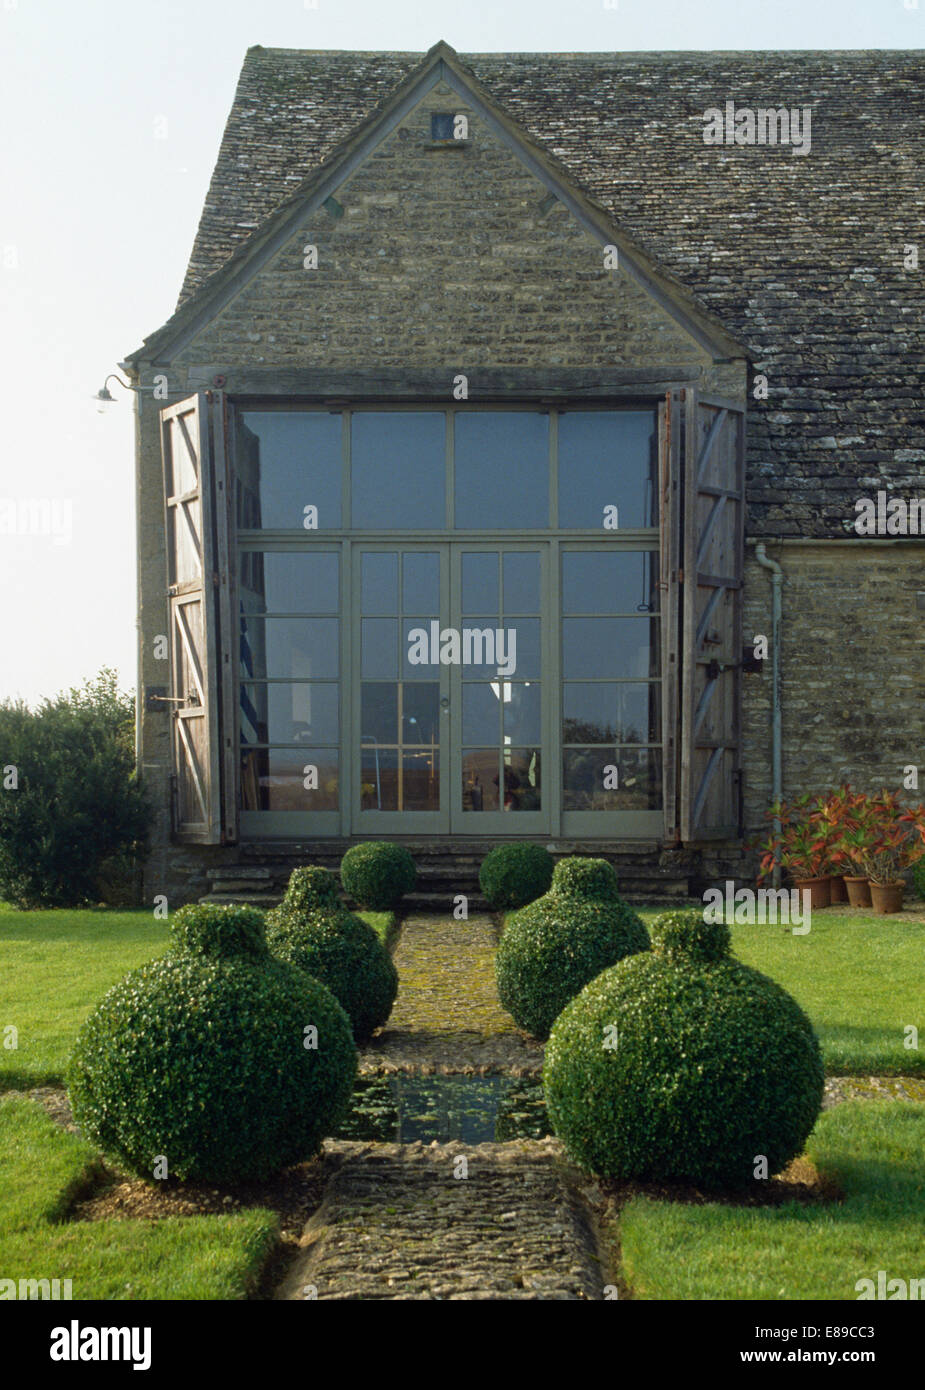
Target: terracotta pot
x,y
858,890
887,897
819,889
839,893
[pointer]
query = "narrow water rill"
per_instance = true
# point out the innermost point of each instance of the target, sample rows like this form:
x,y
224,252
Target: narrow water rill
x,y
423,1109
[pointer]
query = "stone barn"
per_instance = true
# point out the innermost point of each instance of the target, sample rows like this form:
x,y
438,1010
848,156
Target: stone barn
x,y
504,396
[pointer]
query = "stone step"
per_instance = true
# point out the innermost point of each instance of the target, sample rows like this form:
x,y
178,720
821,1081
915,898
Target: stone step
x,y
240,899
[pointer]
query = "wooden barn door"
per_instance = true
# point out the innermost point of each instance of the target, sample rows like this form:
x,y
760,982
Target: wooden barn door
x,y
198,595
714,539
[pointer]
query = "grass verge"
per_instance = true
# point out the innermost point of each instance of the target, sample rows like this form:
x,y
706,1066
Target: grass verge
x,y
873,1151
45,1169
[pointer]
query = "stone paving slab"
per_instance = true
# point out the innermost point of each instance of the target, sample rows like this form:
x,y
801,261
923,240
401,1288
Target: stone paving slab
x,y
396,1222
447,1017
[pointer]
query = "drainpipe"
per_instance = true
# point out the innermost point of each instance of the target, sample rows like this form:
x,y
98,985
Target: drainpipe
x,y
777,580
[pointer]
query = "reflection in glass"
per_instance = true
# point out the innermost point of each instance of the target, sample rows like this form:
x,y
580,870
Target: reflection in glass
x,y
527,646
481,720
610,647
273,779
480,778
522,779
290,712
521,711
480,589
379,711
611,712
288,582
379,639
521,581
412,642
588,775
420,582
379,780
420,780
484,774
607,458
501,470
299,648
398,470
379,583
407,772
420,709
286,460
614,581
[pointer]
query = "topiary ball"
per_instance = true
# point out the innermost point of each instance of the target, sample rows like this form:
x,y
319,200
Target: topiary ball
x,y
513,875
312,889
337,948
683,1065
377,874
550,949
578,877
205,1057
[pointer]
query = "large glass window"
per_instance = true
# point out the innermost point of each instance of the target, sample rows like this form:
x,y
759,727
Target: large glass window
x,y
501,690
501,468
289,650
607,459
399,681
287,461
398,470
611,692
291,468
571,658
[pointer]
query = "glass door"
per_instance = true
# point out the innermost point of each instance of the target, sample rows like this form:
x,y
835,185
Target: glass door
x,y
401,701
499,721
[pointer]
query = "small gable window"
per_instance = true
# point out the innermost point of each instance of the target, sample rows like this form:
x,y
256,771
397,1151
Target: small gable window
x,y
446,128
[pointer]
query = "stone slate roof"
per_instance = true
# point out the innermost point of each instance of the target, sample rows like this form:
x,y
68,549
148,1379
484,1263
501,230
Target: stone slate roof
x,y
800,257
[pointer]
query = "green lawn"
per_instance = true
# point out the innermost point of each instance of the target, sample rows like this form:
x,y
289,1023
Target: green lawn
x,y
55,966
385,925
860,978
44,1167
874,1150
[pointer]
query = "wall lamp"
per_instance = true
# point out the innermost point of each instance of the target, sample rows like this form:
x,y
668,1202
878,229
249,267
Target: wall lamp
x,y
104,396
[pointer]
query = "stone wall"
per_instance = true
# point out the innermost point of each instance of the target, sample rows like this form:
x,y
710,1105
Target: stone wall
x,y
853,668
443,256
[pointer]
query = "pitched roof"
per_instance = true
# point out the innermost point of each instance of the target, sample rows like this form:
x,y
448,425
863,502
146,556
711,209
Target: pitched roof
x,y
801,257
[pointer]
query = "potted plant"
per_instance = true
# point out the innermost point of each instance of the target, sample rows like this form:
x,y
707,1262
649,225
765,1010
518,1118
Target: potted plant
x,y
798,846
833,811
855,838
897,843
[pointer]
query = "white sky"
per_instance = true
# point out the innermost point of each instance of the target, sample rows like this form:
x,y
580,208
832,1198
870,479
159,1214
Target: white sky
x,y
97,218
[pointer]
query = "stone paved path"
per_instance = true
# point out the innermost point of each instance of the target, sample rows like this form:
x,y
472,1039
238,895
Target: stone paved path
x,y
447,1017
397,1222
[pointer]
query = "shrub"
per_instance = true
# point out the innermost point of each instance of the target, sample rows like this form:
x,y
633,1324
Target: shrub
x,y
78,815
514,875
311,929
378,874
550,949
683,1065
586,878
201,1058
